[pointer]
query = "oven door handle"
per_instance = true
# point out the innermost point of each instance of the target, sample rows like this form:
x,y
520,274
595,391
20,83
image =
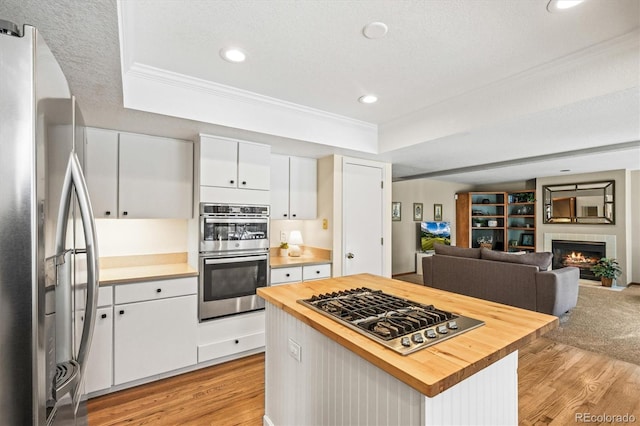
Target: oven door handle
x,y
214,261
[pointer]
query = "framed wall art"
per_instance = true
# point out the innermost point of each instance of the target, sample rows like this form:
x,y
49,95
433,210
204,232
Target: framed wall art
x,y
437,212
417,212
396,213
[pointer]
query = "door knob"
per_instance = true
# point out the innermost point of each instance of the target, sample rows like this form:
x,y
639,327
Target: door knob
x,y
350,256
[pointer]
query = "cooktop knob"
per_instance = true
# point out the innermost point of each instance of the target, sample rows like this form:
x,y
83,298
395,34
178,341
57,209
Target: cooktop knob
x,y
417,338
442,329
430,334
405,342
452,325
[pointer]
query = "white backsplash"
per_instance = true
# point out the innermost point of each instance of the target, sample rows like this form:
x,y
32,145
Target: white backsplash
x,y
121,237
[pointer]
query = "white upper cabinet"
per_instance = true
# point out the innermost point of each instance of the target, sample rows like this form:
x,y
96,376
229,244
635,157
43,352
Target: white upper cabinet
x,y
293,187
101,169
156,177
139,176
231,164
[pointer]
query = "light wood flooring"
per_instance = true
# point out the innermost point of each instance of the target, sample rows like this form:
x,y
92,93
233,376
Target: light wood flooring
x,y
556,383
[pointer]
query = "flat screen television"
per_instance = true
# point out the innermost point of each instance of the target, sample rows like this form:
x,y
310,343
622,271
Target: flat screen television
x,y
434,233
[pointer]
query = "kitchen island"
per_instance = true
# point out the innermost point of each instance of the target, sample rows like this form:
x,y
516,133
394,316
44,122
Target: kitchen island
x,y
320,372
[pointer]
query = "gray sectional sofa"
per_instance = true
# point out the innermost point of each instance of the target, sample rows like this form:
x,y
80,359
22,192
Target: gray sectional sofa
x,y
521,280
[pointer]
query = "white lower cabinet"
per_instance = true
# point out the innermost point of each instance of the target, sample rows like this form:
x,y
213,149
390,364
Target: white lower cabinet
x,y
154,334
99,370
294,274
230,335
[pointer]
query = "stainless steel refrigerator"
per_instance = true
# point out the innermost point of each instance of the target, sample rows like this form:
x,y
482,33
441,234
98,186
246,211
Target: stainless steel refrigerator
x,y
48,250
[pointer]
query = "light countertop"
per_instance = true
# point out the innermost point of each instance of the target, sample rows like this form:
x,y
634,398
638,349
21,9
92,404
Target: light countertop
x,y
126,269
310,256
433,369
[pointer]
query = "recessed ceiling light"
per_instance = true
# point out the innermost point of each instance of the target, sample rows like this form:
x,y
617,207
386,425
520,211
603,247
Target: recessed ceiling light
x,y
560,5
233,54
375,30
368,99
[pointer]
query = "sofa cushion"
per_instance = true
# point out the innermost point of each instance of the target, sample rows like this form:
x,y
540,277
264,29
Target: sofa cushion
x,y
473,253
540,259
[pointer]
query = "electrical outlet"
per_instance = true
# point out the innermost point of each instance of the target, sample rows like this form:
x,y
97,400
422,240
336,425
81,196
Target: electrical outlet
x,y
283,236
295,351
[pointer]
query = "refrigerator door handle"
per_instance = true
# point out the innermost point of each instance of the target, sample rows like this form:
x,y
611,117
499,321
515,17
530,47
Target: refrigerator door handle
x,y
75,179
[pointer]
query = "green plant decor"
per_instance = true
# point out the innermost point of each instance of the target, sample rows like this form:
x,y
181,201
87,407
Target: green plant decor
x,y
606,267
284,245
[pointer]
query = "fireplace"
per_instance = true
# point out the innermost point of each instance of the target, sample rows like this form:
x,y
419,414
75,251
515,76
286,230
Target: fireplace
x,y
581,254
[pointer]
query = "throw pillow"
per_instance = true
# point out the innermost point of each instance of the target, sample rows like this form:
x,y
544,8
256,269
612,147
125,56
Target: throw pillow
x,y
541,259
473,253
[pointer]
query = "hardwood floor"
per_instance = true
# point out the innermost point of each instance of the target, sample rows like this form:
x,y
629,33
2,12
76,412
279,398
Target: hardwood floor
x,y
556,383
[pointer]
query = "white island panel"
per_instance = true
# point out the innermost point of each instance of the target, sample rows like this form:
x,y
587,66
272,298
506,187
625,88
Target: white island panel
x,y
332,385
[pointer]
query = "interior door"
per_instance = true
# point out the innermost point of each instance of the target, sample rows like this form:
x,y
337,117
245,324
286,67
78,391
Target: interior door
x,y
362,219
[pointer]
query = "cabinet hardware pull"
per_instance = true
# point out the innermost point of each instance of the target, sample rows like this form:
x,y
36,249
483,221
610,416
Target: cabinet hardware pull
x,y
159,290
288,275
237,341
244,182
125,213
294,215
107,213
285,215
122,312
232,182
104,316
317,272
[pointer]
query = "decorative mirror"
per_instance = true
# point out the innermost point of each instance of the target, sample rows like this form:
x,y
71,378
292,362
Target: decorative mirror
x,y
581,203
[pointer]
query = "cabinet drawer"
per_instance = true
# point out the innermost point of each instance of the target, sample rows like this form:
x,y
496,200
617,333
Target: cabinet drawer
x,y
286,275
230,347
152,290
105,296
315,272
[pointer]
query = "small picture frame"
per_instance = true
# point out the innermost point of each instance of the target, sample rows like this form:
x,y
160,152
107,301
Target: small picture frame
x,y
396,211
417,212
526,239
437,212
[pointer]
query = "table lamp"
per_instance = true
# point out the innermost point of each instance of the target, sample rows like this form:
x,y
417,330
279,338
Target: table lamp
x,y
295,238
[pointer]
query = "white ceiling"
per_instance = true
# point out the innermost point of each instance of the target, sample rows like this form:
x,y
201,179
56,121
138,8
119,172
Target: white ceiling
x,y
474,91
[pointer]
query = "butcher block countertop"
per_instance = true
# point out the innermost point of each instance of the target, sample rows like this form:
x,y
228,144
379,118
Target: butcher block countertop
x,y
310,256
433,369
127,269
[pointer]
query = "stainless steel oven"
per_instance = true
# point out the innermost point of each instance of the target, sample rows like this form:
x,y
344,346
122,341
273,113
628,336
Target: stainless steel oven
x,y
234,258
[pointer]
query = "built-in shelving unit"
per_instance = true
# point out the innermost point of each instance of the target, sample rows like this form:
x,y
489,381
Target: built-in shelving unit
x,y
521,220
481,219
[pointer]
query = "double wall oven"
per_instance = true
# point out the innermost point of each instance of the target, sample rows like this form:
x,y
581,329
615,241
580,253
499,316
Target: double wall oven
x,y
234,258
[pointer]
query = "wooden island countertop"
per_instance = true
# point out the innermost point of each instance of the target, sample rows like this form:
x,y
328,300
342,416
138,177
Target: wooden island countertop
x,y
436,368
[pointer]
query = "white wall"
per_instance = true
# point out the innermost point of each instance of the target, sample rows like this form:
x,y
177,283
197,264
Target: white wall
x,y
404,232
121,237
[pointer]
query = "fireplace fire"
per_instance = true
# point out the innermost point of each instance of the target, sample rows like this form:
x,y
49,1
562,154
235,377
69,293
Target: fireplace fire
x,y
580,254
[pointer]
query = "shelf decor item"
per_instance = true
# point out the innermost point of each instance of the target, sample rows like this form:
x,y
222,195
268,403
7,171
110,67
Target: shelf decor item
x,y
437,212
607,269
526,239
417,212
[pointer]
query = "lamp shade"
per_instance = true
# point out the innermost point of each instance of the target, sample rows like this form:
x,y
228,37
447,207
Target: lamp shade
x,y
295,238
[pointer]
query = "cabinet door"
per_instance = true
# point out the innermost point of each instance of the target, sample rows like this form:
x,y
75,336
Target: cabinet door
x,y
218,162
154,337
279,187
156,177
303,188
101,171
254,166
99,368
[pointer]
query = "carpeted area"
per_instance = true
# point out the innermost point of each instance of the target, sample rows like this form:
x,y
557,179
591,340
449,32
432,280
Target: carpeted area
x,y
604,321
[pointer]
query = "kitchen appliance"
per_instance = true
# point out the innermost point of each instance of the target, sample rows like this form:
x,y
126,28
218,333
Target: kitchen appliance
x,y
48,276
399,324
234,258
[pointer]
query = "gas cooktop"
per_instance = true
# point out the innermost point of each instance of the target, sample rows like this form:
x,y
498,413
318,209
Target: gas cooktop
x,y
399,324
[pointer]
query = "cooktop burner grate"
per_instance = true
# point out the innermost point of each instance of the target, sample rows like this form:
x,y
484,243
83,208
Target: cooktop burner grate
x,y
400,324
